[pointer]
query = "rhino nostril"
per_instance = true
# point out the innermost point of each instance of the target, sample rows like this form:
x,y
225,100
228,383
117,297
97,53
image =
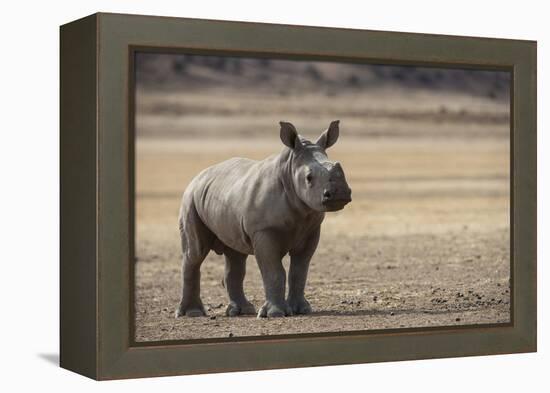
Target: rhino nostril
x,y
326,195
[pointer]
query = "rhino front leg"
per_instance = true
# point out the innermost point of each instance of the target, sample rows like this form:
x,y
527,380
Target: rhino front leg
x,y
297,275
269,253
235,270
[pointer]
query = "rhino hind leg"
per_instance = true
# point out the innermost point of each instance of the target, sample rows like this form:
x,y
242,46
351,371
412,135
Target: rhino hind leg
x,y
235,270
196,242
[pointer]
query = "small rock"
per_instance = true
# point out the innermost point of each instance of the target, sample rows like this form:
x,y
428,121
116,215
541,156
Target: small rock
x,y
457,319
213,317
392,313
230,334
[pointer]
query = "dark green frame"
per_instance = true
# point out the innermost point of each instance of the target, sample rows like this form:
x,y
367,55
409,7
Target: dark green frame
x,y
97,195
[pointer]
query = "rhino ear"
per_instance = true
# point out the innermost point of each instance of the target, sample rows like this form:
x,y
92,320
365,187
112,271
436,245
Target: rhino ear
x,y
330,136
289,135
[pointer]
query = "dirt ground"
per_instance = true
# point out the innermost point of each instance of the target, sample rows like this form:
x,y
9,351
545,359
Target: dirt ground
x,y
425,241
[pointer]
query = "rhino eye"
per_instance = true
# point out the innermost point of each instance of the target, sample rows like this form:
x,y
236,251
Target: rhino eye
x,y
309,178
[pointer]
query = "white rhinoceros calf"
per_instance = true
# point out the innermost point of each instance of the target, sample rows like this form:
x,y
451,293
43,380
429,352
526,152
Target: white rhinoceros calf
x,y
268,209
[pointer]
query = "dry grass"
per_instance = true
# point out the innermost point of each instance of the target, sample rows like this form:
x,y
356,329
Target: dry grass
x,y
429,222
425,241
225,113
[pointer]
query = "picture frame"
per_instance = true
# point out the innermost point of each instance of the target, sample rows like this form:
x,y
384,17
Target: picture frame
x,y
97,183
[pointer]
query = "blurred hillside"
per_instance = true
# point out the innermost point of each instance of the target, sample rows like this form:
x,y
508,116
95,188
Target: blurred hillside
x,y
170,71
210,97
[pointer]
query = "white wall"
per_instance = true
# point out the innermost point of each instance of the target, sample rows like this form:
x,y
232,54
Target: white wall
x,y
29,191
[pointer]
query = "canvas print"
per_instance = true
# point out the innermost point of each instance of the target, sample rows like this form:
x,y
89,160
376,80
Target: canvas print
x,y
296,196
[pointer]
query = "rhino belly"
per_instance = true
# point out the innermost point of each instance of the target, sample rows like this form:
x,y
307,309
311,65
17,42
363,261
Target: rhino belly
x,y
222,197
227,226
230,234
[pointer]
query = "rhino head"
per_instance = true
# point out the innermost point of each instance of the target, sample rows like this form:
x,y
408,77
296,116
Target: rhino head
x,y
318,182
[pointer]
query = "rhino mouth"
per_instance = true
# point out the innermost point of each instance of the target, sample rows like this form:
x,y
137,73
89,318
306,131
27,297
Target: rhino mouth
x,y
335,205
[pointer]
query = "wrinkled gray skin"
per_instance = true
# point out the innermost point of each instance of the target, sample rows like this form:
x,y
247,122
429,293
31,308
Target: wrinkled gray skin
x,y
266,208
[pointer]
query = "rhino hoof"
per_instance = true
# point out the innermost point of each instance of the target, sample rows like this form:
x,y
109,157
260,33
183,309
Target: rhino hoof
x,y
270,310
190,311
299,306
234,309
